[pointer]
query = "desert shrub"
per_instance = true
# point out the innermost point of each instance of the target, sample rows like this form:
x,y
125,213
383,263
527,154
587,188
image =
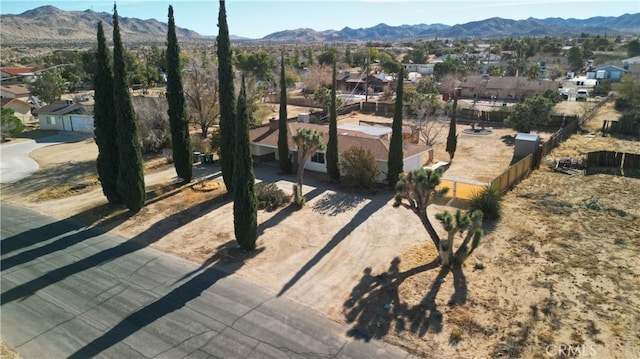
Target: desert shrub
x,y
358,168
488,200
622,104
199,144
153,123
602,88
270,197
11,125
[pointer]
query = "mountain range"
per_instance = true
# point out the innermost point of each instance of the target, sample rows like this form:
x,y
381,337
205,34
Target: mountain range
x,y
489,28
51,23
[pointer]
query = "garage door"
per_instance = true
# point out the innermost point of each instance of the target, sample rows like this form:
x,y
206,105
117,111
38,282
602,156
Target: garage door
x,y
82,123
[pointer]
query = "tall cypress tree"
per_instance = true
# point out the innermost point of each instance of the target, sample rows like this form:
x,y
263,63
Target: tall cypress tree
x,y
396,162
180,140
332,143
105,121
130,170
245,205
227,99
283,136
452,137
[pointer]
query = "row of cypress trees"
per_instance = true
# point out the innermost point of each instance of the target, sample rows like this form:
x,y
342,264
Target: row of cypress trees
x,y
119,163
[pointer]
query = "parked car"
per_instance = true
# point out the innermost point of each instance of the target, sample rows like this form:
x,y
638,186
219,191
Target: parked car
x,y
582,95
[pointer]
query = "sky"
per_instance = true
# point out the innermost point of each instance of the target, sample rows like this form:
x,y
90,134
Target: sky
x,y
257,18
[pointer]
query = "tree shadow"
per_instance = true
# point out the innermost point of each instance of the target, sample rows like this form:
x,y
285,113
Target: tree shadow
x,y
74,230
285,212
375,307
46,178
334,203
363,214
227,260
151,235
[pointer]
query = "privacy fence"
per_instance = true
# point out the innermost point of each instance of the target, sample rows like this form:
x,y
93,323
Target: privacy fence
x,y
613,159
521,169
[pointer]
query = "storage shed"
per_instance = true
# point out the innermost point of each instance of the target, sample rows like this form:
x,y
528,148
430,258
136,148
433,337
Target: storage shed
x,y
525,144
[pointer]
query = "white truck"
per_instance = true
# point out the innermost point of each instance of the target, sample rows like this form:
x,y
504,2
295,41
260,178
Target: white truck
x,y
582,95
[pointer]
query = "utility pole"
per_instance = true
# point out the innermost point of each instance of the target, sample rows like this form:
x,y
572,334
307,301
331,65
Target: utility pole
x,y
366,78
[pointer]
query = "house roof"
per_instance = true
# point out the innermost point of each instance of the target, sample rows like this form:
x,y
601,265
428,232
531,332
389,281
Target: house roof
x,y
632,60
59,108
508,83
16,71
267,136
7,101
609,67
18,89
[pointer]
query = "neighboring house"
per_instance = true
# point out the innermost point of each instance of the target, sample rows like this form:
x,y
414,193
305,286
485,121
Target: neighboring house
x,y
609,72
264,145
15,75
21,109
503,87
348,81
631,64
65,116
19,91
422,69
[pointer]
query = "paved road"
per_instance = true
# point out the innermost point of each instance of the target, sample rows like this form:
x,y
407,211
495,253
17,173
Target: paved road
x,y
73,292
15,163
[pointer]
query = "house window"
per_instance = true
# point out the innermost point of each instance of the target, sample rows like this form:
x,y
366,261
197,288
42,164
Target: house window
x,y
51,120
318,157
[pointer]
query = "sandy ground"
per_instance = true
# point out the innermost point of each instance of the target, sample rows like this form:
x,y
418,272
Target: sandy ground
x,y
557,270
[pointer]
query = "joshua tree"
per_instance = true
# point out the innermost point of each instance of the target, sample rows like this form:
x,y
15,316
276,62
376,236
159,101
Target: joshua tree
x,y
309,141
414,191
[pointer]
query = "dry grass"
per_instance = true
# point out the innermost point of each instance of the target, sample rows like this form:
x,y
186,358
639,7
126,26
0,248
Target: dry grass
x,y
65,190
559,268
7,353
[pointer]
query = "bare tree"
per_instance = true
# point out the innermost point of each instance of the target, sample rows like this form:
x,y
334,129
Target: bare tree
x,y
202,94
427,117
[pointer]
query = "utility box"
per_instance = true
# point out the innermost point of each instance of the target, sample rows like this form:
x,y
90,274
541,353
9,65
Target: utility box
x,y
525,145
303,117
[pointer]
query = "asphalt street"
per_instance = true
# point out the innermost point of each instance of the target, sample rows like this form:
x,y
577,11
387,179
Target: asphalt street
x,y
74,292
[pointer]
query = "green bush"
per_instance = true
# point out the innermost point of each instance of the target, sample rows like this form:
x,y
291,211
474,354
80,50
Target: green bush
x,y
11,125
488,200
359,168
270,197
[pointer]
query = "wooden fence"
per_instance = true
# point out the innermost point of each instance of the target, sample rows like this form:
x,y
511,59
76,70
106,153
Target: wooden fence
x,y
520,170
613,159
514,174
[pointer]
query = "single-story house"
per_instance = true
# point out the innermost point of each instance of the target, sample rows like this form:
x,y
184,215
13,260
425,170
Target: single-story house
x,y
503,87
14,75
422,69
18,91
65,115
631,64
609,72
348,81
264,145
21,109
